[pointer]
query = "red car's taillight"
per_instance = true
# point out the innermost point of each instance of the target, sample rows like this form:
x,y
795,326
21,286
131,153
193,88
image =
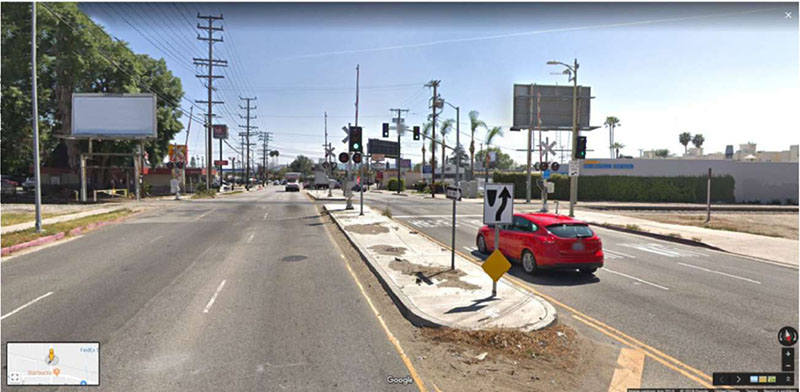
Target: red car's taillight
x,y
549,240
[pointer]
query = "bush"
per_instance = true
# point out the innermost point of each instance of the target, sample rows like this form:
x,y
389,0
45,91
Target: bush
x,y
421,186
683,189
393,184
439,187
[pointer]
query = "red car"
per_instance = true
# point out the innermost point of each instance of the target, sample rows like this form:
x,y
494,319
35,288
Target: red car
x,y
546,241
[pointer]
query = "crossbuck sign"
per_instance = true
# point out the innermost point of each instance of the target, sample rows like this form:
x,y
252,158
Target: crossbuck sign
x,y
498,204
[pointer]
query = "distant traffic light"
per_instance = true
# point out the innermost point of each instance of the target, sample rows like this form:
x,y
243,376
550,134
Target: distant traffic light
x,y
385,129
356,157
580,152
416,133
355,140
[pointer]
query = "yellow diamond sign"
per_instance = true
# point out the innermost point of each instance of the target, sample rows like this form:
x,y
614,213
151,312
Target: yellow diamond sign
x,y
496,265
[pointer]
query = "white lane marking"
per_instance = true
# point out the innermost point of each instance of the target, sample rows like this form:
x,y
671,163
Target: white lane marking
x,y
251,237
156,239
618,253
721,273
214,297
646,248
27,304
436,216
635,278
265,215
203,214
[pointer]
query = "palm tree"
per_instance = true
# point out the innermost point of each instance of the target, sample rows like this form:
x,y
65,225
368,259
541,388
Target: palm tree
x,y
685,138
617,146
490,135
474,123
426,131
447,126
698,140
611,123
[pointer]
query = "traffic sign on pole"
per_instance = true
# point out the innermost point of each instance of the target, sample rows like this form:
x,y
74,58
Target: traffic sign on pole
x,y
498,204
573,168
453,193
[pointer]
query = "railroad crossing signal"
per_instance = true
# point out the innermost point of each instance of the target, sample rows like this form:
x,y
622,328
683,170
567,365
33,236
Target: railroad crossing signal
x,y
356,157
344,157
548,148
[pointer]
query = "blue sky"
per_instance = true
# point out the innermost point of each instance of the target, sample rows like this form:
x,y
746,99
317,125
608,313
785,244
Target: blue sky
x,y
726,70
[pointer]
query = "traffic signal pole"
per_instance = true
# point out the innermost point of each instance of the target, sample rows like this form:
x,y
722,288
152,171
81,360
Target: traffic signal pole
x,y
573,180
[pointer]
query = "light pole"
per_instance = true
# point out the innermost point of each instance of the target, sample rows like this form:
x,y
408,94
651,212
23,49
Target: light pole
x,y
572,71
458,142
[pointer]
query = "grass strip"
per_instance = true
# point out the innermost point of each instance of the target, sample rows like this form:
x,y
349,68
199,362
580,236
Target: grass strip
x,y
27,235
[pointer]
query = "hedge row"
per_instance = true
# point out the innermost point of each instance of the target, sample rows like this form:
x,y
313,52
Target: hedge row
x,y
681,189
393,184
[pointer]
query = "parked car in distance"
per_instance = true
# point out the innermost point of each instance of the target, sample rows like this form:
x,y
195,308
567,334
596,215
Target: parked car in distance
x,y
337,184
546,241
29,184
8,187
306,184
276,182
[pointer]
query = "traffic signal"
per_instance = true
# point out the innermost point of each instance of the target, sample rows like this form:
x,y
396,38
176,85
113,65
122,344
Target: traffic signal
x,y
355,140
385,129
580,152
416,133
344,157
356,158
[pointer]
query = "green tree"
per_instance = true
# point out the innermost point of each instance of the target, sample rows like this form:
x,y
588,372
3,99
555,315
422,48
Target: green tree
x,y
459,151
698,140
685,138
611,123
302,164
73,55
504,160
662,153
474,124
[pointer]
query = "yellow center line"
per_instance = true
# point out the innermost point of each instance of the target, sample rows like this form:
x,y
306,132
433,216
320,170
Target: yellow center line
x,y
612,332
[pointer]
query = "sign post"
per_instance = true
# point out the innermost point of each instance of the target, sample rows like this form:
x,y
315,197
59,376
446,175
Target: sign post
x,y
497,210
453,193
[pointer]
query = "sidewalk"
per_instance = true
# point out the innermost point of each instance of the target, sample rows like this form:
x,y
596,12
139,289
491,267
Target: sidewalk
x,y
416,273
781,250
62,218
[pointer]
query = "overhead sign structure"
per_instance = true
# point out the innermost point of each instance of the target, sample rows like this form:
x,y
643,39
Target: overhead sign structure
x,y
498,204
382,147
554,106
220,131
453,193
114,116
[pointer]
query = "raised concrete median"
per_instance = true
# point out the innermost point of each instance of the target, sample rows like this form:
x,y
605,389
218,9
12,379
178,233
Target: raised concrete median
x,y
416,273
322,194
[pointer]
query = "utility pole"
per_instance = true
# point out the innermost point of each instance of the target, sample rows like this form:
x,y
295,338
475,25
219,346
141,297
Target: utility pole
x,y
573,180
209,62
265,137
247,127
35,103
363,155
400,128
328,153
435,85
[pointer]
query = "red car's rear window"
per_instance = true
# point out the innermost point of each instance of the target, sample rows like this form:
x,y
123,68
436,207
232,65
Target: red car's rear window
x,y
570,230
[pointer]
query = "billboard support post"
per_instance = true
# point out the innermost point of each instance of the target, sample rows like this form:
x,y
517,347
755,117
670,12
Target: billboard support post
x,y
83,178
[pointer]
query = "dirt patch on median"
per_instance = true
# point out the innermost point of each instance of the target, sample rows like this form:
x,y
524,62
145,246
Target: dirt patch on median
x,y
448,278
372,228
388,250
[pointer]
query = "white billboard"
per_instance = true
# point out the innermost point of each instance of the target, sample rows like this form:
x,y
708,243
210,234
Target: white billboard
x,y
114,116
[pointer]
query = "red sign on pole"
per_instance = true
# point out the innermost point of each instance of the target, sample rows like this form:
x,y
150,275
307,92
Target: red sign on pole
x,y
221,163
220,131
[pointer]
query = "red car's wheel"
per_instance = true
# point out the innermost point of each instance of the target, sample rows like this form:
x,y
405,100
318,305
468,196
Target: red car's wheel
x,y
529,262
482,245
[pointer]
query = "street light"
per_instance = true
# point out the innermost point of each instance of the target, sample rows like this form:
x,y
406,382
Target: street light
x,y
458,141
572,71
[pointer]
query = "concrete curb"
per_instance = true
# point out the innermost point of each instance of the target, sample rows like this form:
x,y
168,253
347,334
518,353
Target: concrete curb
x,y
406,307
417,316
311,195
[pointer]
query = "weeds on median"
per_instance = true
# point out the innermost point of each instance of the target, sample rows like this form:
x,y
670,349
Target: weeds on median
x,y
633,227
387,212
22,236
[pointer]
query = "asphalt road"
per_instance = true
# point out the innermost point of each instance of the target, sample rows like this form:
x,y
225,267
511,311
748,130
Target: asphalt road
x,y
287,317
710,310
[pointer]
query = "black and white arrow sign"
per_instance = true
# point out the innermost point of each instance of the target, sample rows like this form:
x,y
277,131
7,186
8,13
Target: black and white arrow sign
x,y
498,204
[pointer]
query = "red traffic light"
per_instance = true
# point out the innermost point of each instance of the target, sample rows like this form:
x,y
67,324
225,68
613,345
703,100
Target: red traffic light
x,y
344,157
